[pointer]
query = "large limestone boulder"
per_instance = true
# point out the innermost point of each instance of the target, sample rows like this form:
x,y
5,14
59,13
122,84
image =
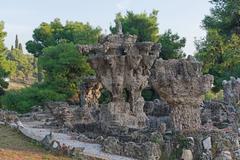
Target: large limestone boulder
x,y
122,66
181,84
232,91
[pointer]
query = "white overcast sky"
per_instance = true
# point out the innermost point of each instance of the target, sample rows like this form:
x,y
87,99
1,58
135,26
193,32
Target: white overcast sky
x,y
182,16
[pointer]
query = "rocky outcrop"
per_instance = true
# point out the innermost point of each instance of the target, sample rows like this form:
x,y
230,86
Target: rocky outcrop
x,y
143,151
181,84
62,113
232,91
218,114
122,67
90,92
158,112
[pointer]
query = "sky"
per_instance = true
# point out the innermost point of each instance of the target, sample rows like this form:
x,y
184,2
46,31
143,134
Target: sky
x,y
181,16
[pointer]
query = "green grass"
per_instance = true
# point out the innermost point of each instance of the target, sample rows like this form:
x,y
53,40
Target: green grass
x,y
14,145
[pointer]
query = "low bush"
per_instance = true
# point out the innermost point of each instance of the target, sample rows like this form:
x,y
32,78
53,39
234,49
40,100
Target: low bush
x,y
23,100
210,95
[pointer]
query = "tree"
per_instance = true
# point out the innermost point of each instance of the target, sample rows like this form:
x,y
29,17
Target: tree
x,y
2,37
3,73
20,47
224,17
219,51
3,83
21,66
64,67
146,28
53,33
16,42
143,25
172,46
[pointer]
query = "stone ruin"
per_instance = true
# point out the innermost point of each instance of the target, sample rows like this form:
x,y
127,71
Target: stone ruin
x,y
122,64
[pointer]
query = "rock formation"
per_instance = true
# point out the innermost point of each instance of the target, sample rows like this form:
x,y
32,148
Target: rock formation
x,y
232,91
61,112
122,66
181,84
90,91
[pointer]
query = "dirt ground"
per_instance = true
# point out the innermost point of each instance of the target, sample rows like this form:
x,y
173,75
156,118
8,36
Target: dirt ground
x,y
15,146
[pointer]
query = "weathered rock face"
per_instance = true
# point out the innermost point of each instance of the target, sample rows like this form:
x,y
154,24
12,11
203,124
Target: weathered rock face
x,y
158,112
122,66
90,91
143,151
232,91
218,114
61,112
181,84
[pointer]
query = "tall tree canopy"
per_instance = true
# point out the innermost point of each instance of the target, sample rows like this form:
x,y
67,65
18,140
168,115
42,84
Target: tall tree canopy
x,y
224,17
3,73
2,37
53,33
58,58
64,67
172,45
220,50
145,26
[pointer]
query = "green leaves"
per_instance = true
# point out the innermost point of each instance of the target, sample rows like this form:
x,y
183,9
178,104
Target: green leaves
x,y
172,45
64,67
54,33
146,28
143,25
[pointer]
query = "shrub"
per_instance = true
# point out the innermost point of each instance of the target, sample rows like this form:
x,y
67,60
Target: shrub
x,y
23,100
210,95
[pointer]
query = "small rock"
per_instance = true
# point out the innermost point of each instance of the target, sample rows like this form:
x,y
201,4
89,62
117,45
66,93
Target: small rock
x,y
207,145
187,155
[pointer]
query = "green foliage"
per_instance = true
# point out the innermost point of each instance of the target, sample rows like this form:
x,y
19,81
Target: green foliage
x,y
20,66
23,100
210,95
3,73
181,143
220,57
172,46
2,37
149,94
146,28
105,97
220,50
224,17
64,67
3,83
143,25
53,33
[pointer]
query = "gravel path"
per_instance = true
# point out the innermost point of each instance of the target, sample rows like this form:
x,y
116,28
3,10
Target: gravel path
x,y
93,150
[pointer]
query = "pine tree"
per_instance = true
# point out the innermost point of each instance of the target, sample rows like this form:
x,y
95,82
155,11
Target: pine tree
x,y
20,47
16,42
12,48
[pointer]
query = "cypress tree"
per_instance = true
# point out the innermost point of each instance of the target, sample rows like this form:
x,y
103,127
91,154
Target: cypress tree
x,y
16,42
20,47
